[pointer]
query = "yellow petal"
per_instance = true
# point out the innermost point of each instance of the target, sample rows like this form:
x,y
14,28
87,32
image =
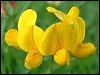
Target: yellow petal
x,y
73,12
28,17
81,24
59,35
58,13
84,50
38,34
33,59
62,57
25,38
11,38
68,35
62,16
49,41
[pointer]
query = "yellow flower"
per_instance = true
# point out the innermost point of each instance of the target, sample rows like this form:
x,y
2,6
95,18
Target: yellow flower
x,y
60,39
65,38
27,38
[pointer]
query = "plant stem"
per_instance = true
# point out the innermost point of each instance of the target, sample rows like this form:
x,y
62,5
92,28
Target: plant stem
x,y
51,57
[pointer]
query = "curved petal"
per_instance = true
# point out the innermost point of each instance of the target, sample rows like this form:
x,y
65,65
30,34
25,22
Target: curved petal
x,y
58,13
28,17
81,24
84,50
49,41
73,12
62,57
38,34
25,38
11,38
33,59
62,16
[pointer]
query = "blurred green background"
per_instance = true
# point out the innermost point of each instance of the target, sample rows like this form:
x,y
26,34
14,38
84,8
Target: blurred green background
x,y
12,60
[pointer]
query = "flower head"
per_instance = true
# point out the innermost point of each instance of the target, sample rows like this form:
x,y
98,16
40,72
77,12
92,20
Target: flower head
x,y
60,39
27,38
63,38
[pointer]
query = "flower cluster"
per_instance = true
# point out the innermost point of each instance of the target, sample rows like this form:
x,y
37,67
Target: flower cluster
x,y
61,40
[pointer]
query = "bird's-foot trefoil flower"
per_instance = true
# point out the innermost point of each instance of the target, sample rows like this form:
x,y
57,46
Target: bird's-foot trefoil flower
x,y
27,38
60,39
65,38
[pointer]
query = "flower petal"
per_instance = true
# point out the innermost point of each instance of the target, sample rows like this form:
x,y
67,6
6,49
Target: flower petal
x,y
73,12
38,34
62,16
33,59
25,38
49,41
11,38
58,13
62,57
84,50
68,35
28,17
59,35
81,24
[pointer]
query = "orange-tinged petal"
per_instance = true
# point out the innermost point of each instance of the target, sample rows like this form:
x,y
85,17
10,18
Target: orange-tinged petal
x,y
62,57
73,12
28,17
11,38
81,24
25,38
84,50
33,59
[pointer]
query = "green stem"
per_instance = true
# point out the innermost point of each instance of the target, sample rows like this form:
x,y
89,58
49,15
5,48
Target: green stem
x,y
50,64
49,71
